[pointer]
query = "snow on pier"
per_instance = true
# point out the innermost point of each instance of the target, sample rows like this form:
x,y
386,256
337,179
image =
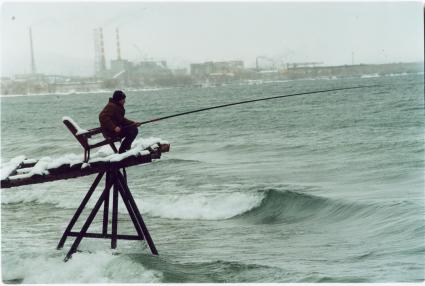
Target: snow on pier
x,y
21,171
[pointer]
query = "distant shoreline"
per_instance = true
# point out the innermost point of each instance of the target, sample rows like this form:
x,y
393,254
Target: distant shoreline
x,y
81,92
246,82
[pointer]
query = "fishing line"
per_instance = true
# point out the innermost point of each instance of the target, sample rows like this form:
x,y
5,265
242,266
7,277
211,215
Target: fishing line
x,y
252,100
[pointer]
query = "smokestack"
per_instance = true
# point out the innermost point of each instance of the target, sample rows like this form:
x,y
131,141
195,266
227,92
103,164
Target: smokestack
x,y
102,51
118,45
99,51
33,70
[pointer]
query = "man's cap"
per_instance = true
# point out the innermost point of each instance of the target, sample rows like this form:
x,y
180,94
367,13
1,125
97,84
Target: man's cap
x,y
118,95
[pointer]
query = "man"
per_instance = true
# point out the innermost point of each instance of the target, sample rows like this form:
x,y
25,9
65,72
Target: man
x,y
114,124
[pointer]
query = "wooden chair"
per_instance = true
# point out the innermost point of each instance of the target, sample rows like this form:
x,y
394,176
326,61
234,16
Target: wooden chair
x,y
83,136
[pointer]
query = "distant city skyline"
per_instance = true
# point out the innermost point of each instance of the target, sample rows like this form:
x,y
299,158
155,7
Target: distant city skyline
x,y
335,33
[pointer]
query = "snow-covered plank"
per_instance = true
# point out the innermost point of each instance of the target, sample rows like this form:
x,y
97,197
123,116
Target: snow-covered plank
x,y
67,167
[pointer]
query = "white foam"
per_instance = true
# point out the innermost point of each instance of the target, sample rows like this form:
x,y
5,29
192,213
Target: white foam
x,y
63,194
396,74
57,194
97,267
201,206
370,75
30,195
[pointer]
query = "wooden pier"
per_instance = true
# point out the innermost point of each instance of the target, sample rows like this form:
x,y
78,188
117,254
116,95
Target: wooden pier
x,y
113,171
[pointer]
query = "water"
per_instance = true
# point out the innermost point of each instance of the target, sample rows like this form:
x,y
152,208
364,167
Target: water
x,y
316,188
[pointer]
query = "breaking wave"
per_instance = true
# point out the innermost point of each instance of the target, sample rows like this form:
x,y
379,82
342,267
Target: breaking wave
x,y
274,206
84,267
283,206
202,206
262,206
258,206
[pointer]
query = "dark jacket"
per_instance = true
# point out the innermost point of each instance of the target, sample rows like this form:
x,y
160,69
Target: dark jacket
x,y
112,116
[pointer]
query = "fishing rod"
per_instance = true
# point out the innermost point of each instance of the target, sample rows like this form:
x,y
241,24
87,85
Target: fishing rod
x,y
252,100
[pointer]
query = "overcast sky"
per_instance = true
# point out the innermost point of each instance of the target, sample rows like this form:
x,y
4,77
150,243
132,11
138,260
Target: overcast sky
x,y
186,32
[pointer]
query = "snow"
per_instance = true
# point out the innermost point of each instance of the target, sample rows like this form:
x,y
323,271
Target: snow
x,y
79,129
104,154
23,170
30,161
48,163
95,140
120,157
9,167
139,145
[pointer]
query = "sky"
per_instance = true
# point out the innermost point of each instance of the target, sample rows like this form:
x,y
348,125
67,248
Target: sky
x,y
332,33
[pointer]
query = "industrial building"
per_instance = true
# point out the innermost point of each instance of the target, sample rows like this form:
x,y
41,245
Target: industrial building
x,y
122,72
150,73
207,69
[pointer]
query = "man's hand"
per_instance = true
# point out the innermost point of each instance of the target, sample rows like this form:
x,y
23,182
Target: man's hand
x,y
117,129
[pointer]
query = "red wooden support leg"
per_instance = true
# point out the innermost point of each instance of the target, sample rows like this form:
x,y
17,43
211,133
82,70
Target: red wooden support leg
x,y
131,212
89,220
145,231
106,210
115,180
114,213
79,210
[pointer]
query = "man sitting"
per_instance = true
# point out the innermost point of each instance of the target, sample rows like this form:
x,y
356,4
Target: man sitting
x,y
114,124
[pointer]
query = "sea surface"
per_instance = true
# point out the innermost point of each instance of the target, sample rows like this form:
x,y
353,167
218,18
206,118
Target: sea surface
x,y
315,188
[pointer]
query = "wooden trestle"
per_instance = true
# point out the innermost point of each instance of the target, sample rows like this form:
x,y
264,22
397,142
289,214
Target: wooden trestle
x,y
115,183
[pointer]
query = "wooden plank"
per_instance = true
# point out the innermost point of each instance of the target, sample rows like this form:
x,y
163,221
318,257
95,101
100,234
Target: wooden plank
x,y
66,171
165,148
28,164
100,235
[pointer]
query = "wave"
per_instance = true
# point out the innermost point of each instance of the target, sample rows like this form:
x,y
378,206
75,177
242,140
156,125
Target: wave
x,y
255,205
287,206
217,271
194,206
201,206
44,267
270,206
